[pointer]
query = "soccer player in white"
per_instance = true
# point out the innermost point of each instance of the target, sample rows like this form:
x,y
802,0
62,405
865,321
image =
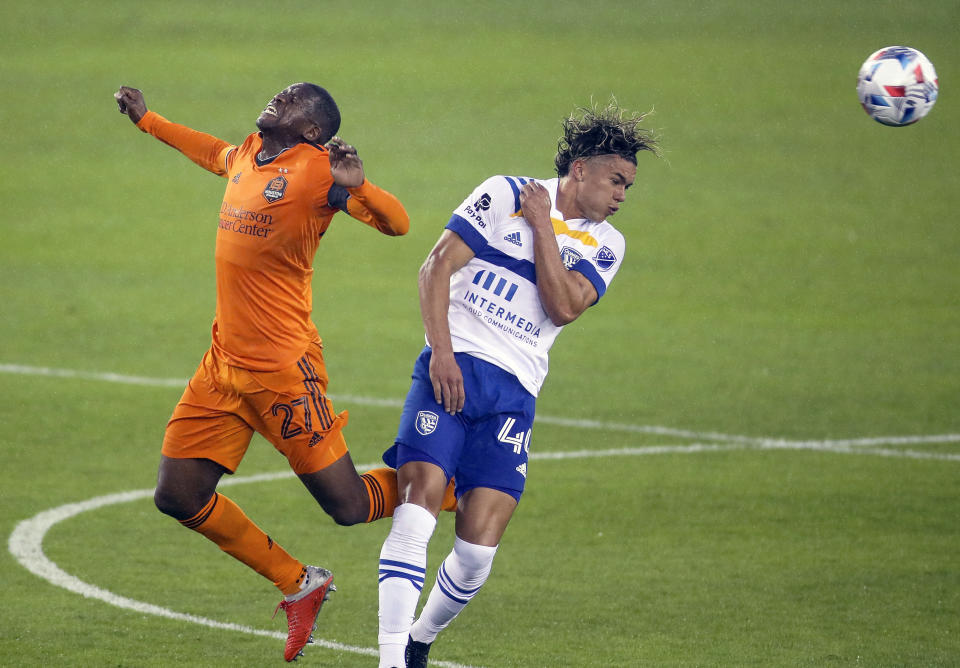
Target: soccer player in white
x,y
519,259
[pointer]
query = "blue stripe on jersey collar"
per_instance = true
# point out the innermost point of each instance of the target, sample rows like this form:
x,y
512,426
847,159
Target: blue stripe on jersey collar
x,y
516,190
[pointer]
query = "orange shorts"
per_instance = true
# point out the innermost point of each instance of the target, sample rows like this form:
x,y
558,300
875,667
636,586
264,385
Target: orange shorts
x,y
223,405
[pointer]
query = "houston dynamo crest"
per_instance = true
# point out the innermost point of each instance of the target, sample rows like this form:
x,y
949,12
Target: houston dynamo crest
x,y
426,422
275,189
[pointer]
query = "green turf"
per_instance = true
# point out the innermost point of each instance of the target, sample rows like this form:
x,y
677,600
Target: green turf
x,y
791,273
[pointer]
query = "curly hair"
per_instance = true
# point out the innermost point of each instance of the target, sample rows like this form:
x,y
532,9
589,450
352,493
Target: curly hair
x,y
603,131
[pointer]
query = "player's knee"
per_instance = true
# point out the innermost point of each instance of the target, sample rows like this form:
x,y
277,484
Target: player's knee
x,y
348,514
171,504
164,502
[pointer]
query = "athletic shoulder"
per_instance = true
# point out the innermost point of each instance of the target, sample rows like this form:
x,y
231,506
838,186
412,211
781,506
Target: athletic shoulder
x,y
495,197
605,257
611,236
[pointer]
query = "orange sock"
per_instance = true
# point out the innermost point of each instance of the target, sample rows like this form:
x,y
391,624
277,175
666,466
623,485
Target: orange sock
x,y
449,499
222,521
382,488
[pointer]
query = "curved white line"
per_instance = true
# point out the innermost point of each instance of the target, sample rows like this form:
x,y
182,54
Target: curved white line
x,y
26,541
26,545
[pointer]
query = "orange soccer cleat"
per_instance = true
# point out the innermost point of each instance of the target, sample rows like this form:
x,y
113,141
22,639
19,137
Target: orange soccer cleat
x,y
302,609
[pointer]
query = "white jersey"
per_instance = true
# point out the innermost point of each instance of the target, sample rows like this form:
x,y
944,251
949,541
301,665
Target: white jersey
x,y
495,310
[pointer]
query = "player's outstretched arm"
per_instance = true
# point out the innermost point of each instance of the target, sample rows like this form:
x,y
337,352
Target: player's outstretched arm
x,y
203,149
368,203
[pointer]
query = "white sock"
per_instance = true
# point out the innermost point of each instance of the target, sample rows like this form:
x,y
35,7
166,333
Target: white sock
x,y
403,565
459,579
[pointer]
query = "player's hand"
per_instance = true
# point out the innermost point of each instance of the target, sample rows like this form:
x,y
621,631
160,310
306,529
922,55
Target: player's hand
x,y
130,101
345,165
535,203
447,382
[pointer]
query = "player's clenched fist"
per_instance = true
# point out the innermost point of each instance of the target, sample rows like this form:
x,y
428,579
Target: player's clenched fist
x,y
535,203
130,101
345,165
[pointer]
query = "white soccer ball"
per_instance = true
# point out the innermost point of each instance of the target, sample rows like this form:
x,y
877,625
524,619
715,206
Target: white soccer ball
x,y
897,85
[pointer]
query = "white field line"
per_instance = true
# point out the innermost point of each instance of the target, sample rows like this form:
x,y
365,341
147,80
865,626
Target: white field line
x,y
26,545
757,442
26,541
24,370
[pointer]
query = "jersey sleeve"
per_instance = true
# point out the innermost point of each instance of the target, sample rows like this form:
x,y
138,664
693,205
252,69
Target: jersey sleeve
x,y
205,150
603,264
372,205
477,216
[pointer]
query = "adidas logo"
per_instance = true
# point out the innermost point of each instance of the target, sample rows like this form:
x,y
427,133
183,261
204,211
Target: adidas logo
x,y
522,469
316,438
514,238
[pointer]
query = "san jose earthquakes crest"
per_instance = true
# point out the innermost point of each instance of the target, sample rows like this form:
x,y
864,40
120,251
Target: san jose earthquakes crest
x,y
570,257
426,422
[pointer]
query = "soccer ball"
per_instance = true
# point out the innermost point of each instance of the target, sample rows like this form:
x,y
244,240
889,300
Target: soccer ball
x,y
897,85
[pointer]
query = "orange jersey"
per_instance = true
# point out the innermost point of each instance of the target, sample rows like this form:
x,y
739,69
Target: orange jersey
x,y
270,223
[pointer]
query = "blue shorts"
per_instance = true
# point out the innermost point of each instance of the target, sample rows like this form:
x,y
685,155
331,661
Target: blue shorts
x,y
484,445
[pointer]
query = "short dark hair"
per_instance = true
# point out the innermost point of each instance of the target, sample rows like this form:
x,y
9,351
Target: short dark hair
x,y
324,112
592,131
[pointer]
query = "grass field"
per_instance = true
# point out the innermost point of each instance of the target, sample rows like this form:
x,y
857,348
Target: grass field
x,y
748,453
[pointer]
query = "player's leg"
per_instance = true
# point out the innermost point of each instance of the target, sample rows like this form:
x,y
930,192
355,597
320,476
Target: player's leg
x,y
349,498
185,486
427,449
292,410
200,445
491,475
403,557
207,436
186,490
481,520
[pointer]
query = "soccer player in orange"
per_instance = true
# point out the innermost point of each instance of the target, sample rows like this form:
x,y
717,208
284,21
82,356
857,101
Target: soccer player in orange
x,y
264,371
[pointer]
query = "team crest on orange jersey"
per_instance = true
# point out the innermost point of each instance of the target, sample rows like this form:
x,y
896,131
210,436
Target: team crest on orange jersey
x,y
275,189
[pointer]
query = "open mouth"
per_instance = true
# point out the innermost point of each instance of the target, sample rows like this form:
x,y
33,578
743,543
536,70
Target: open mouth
x,y
270,109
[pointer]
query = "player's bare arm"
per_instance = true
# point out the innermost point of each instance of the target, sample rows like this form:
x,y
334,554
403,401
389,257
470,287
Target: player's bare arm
x,y
130,102
448,255
565,295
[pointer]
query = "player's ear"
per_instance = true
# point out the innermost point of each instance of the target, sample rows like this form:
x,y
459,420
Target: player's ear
x,y
577,168
313,134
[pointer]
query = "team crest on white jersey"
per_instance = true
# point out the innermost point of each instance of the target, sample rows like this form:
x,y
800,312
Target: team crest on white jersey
x,y
605,258
570,257
426,422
